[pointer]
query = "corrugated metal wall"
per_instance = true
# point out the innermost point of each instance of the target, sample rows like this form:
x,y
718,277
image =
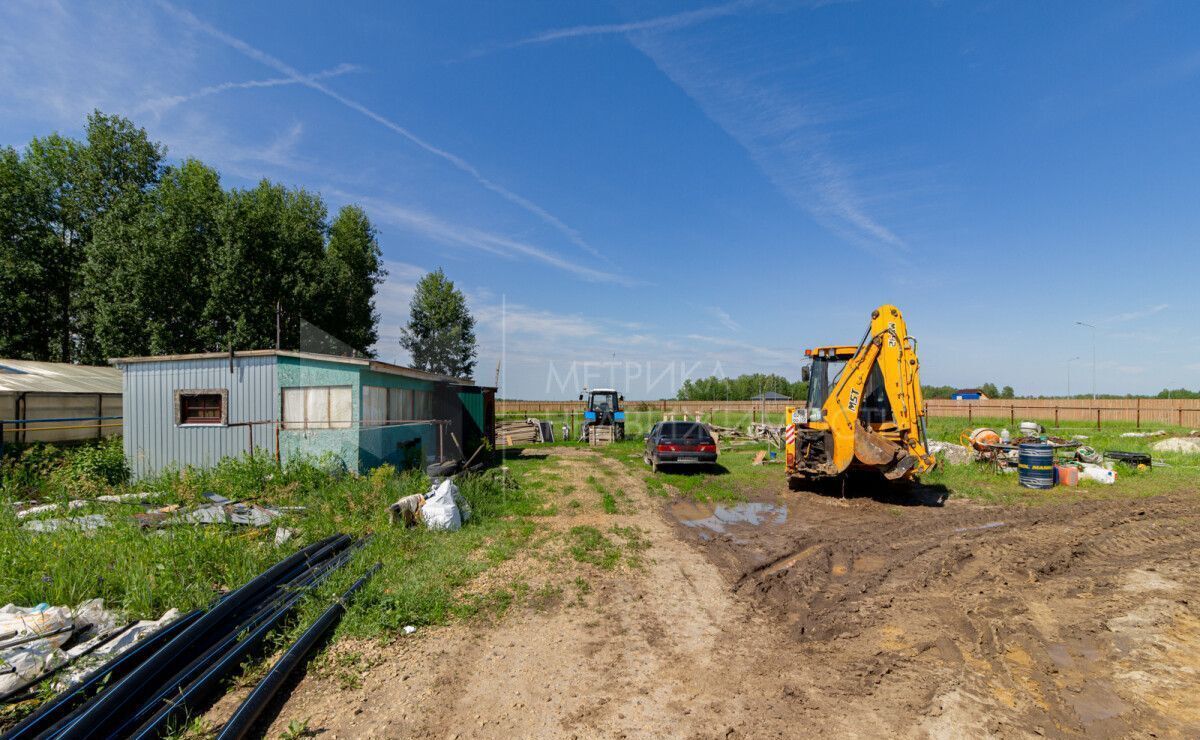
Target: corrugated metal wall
x,y
154,442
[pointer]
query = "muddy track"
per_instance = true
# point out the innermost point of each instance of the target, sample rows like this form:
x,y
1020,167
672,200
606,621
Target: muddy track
x,y
1068,619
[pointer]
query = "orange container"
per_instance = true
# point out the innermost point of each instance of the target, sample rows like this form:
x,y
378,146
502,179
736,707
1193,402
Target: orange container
x,y
1068,475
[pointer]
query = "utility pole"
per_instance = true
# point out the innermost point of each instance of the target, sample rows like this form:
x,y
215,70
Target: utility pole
x,y
1093,328
1073,359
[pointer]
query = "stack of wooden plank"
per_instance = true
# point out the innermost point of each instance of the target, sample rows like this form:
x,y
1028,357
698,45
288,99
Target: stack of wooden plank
x,y
526,431
601,435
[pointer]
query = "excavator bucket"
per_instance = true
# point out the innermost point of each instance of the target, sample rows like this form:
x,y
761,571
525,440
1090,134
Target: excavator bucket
x,y
872,448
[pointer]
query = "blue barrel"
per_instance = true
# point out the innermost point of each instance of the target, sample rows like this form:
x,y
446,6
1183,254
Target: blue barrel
x,y
1035,466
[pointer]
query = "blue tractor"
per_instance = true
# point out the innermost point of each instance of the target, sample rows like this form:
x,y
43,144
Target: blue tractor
x,y
603,409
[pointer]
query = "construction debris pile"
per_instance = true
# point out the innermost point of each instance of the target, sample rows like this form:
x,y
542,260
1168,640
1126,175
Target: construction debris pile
x,y
530,430
40,641
218,510
178,668
753,433
1064,461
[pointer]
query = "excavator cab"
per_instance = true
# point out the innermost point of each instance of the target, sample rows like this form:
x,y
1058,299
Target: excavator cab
x,y
864,408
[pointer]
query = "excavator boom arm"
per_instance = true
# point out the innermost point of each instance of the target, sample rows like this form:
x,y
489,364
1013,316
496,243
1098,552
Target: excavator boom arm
x,y
896,446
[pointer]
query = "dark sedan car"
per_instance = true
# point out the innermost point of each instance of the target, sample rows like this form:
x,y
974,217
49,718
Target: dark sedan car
x,y
679,442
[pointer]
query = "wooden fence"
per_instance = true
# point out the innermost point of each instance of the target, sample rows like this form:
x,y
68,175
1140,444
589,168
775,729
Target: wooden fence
x,y
1139,411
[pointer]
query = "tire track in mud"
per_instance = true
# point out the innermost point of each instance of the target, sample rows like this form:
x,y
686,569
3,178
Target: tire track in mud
x,y
1002,619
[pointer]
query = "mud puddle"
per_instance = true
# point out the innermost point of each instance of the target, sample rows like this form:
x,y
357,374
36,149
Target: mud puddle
x,y
711,518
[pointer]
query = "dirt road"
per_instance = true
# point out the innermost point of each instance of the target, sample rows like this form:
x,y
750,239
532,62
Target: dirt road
x,y
804,614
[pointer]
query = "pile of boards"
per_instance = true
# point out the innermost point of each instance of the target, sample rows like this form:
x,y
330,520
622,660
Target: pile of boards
x,y
527,431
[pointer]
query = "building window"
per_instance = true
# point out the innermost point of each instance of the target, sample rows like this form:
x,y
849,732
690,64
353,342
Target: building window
x,y
423,405
375,405
318,407
201,406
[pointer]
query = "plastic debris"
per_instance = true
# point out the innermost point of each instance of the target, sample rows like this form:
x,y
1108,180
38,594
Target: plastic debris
x,y
953,454
409,629
85,523
252,515
35,638
1185,445
1159,433
441,511
283,535
1098,474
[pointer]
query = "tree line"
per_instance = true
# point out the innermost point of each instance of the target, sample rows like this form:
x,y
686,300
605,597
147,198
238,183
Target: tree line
x,y
106,251
989,389
741,388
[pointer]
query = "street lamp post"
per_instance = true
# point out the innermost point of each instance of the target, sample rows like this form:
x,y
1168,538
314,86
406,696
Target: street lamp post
x,y
1093,328
1073,359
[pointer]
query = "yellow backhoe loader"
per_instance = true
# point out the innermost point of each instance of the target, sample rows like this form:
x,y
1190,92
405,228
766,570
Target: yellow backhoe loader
x,y
865,408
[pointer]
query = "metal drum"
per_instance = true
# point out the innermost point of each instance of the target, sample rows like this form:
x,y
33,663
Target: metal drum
x,y
1035,466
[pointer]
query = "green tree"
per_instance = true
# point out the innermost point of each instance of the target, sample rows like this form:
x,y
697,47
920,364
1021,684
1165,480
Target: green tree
x,y
1007,392
84,181
146,277
27,318
990,390
269,255
351,274
440,334
740,388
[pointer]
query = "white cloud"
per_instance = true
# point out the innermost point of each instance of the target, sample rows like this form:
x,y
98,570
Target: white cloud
x,y
308,81
724,319
449,233
1139,314
785,132
665,22
159,105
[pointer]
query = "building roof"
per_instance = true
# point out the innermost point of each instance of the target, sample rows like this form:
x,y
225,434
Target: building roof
x,y
770,396
29,376
968,392
375,365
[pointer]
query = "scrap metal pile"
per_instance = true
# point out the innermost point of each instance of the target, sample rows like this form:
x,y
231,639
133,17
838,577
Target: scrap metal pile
x,y
180,669
1066,461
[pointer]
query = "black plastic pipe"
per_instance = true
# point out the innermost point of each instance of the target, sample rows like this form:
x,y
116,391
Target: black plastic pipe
x,y
98,715
248,712
61,706
215,670
241,640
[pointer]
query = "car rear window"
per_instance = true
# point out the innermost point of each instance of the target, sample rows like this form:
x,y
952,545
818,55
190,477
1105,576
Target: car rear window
x,y
683,430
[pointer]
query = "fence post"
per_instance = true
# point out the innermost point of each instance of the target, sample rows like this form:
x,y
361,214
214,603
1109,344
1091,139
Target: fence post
x,y
1012,415
1097,418
1138,418
1056,416
1181,415
969,409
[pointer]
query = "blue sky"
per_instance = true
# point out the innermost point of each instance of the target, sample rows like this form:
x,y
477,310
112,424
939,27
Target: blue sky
x,y
637,192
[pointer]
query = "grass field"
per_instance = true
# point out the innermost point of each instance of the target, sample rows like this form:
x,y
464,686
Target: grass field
x,y
146,571
736,477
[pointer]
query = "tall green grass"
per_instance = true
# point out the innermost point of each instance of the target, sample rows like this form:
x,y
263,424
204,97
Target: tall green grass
x,y
146,571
